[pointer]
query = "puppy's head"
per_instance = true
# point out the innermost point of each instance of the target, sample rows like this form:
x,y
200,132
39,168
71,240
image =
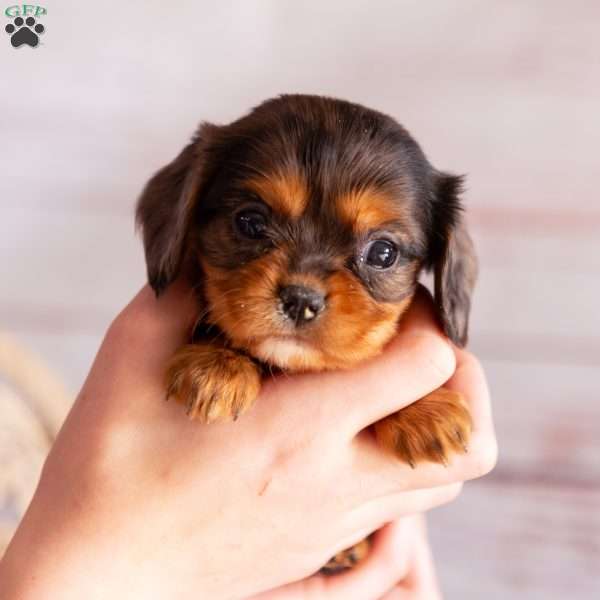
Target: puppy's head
x,y
310,219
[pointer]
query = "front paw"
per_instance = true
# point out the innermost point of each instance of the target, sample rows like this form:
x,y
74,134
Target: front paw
x,y
214,383
431,429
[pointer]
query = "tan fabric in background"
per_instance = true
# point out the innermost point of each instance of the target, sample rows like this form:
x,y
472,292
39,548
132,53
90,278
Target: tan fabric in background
x,y
33,403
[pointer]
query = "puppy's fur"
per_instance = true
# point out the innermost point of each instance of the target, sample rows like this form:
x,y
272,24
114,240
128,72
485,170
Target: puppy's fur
x,y
287,219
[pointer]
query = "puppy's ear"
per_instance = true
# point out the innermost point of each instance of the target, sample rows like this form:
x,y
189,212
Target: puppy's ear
x,y
166,205
453,259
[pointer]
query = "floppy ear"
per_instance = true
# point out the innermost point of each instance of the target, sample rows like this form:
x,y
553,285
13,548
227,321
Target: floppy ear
x,y
454,260
165,208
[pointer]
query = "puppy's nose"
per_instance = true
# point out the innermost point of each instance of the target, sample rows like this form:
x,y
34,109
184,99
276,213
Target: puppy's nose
x,y
300,303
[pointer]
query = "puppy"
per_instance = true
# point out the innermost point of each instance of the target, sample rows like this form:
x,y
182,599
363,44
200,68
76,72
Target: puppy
x,y
305,225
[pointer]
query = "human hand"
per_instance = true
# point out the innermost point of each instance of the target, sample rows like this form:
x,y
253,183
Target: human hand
x,y
398,567
400,564
420,581
136,501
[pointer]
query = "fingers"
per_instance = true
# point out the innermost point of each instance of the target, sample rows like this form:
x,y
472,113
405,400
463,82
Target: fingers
x,y
421,578
482,454
480,458
398,594
470,380
386,564
420,582
403,504
419,360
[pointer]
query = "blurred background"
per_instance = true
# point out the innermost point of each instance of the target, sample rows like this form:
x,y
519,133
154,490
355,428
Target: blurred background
x,y
507,92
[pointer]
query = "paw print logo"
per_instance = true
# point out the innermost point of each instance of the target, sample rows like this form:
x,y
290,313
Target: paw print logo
x,y
24,32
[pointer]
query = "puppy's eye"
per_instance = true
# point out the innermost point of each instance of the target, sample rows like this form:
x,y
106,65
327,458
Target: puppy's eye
x,y
380,254
251,224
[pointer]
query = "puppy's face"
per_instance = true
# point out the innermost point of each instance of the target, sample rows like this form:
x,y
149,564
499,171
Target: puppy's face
x,y
305,277
310,219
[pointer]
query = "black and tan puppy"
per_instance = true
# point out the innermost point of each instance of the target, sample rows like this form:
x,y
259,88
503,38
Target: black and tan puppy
x,y
306,225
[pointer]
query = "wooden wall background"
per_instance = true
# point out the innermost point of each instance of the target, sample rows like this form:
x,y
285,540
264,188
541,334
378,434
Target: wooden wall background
x,y
507,92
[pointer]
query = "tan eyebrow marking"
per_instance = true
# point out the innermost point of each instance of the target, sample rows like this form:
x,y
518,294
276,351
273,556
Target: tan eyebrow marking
x,y
285,193
368,209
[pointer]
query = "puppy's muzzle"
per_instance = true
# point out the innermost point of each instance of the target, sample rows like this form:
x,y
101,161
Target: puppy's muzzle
x,y
301,304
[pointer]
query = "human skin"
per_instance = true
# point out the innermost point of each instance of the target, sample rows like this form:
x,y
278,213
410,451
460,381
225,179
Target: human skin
x,y
136,501
399,567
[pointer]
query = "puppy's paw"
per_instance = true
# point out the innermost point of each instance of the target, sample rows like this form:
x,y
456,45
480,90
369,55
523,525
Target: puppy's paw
x,y
347,558
214,383
431,429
